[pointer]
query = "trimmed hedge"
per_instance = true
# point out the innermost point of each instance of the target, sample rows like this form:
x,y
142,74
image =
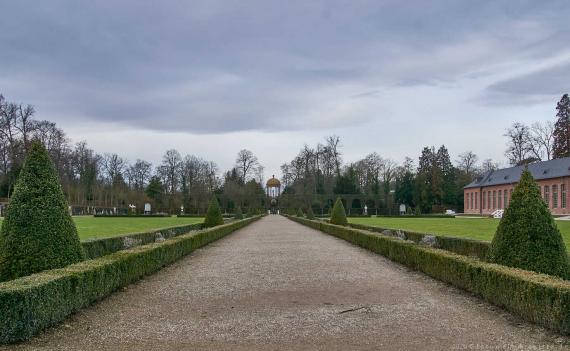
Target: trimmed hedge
x,y
338,215
535,297
213,215
310,213
527,236
35,302
461,246
100,247
38,232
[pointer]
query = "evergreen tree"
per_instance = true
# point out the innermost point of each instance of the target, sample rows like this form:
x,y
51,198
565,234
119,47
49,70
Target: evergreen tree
x,y
155,190
449,177
527,236
214,215
300,213
239,213
347,183
38,232
561,147
338,216
404,191
427,180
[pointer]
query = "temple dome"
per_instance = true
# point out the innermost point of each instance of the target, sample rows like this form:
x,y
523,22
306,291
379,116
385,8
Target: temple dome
x,y
273,183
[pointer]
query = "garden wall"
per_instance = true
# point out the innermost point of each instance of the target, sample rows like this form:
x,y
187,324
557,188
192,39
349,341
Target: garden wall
x,y
535,297
32,303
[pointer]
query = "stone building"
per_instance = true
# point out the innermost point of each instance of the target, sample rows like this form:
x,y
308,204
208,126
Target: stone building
x,y
493,190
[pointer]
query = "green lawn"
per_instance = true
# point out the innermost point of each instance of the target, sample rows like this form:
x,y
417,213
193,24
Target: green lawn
x,y
90,227
474,228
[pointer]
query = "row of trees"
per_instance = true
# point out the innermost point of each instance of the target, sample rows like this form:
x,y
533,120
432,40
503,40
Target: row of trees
x,y
109,180
541,140
435,182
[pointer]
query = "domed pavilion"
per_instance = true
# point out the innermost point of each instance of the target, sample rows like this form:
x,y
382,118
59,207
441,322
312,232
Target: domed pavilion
x,y
273,190
273,187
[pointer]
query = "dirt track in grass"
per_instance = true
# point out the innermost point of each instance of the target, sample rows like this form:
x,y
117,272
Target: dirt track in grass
x,y
279,285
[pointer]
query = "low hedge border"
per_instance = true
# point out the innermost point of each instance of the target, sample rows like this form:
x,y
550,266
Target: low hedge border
x,y
461,246
537,298
30,304
96,248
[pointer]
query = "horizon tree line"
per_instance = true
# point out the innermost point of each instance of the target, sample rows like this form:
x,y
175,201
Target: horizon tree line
x,y
90,179
108,180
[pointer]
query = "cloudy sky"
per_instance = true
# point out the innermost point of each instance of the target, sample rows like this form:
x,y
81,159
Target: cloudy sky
x,y
211,77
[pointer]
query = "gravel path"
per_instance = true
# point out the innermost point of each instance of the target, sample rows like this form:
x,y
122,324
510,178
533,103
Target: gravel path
x,y
279,285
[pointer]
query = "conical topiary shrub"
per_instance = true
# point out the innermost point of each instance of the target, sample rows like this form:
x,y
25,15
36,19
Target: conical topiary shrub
x,y
527,236
213,215
310,214
338,214
300,213
239,214
38,232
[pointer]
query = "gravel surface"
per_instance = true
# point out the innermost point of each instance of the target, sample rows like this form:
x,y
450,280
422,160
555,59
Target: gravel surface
x,y
279,285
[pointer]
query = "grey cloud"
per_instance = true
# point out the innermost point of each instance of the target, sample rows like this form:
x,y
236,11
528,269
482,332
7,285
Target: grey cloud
x,y
219,66
532,88
548,81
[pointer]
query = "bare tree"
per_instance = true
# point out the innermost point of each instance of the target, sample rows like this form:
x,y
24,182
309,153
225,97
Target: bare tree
x,y
333,144
467,162
169,170
25,124
489,165
247,164
113,166
139,174
518,144
542,139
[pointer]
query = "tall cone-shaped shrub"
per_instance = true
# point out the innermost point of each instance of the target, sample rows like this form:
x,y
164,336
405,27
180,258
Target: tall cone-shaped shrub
x,y
38,232
239,213
300,212
527,236
310,214
214,215
338,215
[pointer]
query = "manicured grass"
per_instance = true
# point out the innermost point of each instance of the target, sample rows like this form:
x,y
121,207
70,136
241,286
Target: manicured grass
x,y
474,228
90,227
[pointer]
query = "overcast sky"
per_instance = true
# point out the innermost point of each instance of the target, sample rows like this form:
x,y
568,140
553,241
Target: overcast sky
x,y
211,77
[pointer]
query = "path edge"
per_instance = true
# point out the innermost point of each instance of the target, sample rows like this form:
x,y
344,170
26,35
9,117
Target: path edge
x,y
33,303
534,297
